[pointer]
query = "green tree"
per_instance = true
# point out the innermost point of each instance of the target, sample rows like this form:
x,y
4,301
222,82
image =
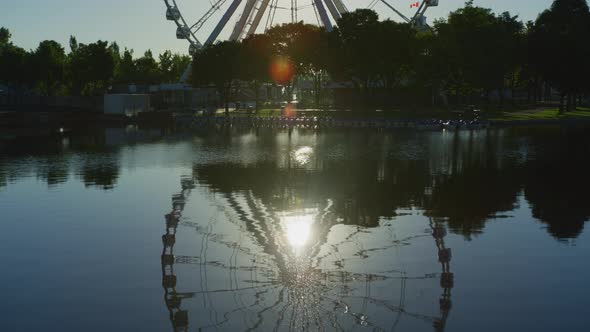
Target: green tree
x,y
165,65
4,36
256,53
49,60
91,68
73,44
13,61
218,65
476,50
172,66
147,71
180,63
357,50
558,43
312,55
116,54
126,71
398,54
299,43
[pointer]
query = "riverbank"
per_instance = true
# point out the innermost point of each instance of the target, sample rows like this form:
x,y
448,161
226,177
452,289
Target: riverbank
x,y
496,112
544,114
17,123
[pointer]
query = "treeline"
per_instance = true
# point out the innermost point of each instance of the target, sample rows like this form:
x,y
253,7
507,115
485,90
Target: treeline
x,y
468,57
88,69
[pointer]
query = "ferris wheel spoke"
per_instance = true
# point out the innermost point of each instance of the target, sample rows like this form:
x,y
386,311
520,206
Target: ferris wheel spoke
x,y
183,30
333,10
323,15
214,8
241,24
223,22
341,7
396,11
258,17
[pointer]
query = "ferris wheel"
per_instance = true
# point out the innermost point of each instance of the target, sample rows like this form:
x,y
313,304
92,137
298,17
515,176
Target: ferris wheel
x,y
201,23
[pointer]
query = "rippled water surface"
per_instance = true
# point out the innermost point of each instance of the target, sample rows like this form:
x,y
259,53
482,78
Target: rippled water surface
x,y
149,230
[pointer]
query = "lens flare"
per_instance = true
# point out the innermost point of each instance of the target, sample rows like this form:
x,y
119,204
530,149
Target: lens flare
x,y
290,111
282,70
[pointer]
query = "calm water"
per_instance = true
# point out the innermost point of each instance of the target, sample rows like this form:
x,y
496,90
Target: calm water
x,y
266,230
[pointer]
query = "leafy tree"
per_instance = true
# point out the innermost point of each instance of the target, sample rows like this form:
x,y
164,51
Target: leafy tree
x,y
219,65
116,54
49,60
91,67
4,36
297,44
398,53
558,43
172,66
165,65
180,63
356,49
477,50
73,44
147,71
13,65
312,55
126,71
13,61
256,53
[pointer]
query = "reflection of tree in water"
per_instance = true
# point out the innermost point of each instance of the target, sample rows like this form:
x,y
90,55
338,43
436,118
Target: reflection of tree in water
x,y
556,183
53,159
54,170
42,159
314,281
360,195
99,171
3,175
465,178
469,199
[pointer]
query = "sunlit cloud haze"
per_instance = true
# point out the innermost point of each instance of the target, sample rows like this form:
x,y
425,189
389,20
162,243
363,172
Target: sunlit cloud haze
x,y
141,25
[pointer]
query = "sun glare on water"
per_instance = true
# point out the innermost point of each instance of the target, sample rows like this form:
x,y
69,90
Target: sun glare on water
x,y
303,155
298,229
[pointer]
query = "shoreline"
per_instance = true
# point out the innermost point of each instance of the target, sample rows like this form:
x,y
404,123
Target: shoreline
x,y
35,122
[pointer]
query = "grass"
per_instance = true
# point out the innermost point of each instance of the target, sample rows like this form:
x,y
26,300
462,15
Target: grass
x,y
389,114
530,114
545,114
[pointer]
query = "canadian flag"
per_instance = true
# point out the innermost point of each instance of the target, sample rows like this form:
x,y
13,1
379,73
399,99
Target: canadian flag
x,y
415,4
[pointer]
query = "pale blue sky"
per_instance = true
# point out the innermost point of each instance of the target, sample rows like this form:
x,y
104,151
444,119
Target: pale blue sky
x,y
140,24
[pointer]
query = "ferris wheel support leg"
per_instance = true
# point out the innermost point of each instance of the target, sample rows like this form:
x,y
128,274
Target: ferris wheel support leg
x,y
341,7
228,14
323,15
239,28
333,10
258,17
186,73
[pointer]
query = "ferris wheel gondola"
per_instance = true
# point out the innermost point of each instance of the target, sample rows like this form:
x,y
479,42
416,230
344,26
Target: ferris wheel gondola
x,y
202,25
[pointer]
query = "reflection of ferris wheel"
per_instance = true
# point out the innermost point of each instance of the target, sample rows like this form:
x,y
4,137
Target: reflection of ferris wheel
x,y
201,23
306,284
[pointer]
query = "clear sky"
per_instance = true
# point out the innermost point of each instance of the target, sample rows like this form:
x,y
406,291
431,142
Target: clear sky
x,y
141,25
